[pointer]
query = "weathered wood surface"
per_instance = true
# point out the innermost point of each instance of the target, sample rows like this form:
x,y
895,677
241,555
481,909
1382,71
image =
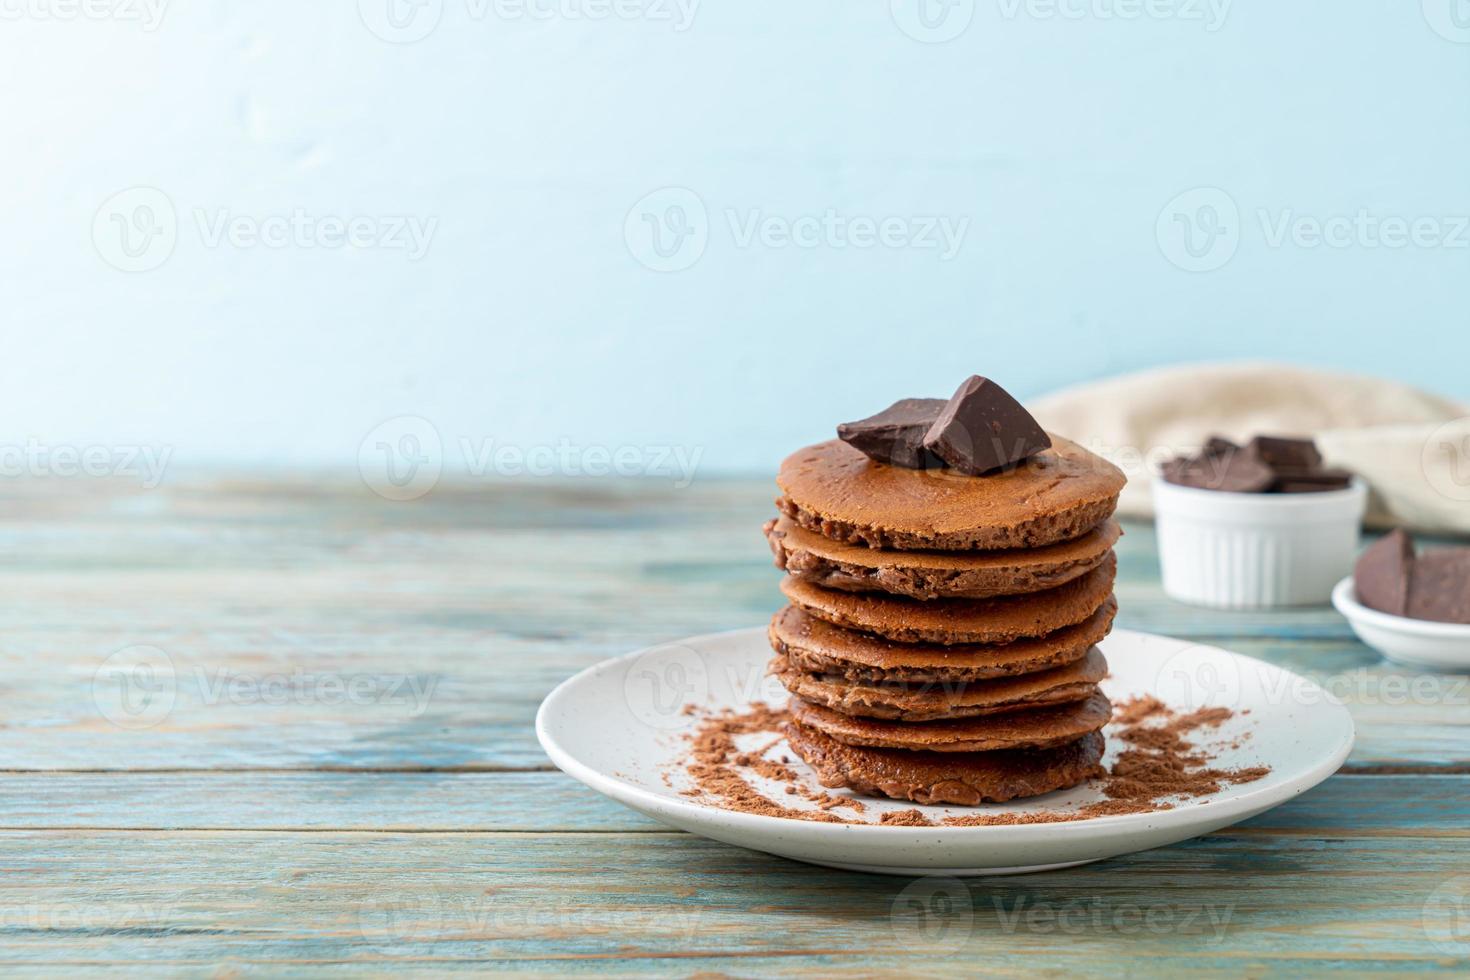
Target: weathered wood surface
x,y
270,821
492,802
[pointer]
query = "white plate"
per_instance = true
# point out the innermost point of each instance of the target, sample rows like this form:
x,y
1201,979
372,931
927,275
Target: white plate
x,y
1417,642
619,727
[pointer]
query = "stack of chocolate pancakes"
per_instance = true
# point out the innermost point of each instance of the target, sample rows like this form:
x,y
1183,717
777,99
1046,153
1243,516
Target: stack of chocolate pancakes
x,y
939,642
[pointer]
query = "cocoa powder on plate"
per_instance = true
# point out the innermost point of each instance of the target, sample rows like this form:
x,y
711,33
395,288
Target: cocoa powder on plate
x,y
1158,766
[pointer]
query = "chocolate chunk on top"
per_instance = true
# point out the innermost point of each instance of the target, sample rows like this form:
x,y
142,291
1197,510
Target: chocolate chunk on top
x,y
982,429
1381,575
1439,585
896,434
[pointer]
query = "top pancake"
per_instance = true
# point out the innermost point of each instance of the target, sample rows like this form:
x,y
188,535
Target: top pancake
x,y
936,574
1056,495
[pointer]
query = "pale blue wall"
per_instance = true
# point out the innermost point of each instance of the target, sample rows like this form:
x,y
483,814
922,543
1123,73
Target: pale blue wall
x,y
528,141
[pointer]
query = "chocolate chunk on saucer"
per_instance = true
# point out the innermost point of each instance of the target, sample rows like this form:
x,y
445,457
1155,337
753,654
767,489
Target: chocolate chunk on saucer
x,y
1381,575
941,777
896,434
982,429
1040,728
1439,586
816,646
936,574
1000,619
1434,585
1061,493
938,700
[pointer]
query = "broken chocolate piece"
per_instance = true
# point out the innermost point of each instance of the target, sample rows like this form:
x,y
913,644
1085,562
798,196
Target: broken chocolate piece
x,y
1218,446
1268,464
1381,575
1439,586
1282,452
982,429
896,434
1234,472
1294,479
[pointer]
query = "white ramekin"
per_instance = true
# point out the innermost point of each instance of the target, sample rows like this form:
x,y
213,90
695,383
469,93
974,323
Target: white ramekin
x,y
1256,550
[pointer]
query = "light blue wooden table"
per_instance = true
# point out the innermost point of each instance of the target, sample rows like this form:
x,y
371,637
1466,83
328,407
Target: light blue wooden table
x,y
331,766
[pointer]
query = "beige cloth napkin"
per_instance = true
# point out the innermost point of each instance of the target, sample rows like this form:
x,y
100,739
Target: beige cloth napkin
x,y
1412,447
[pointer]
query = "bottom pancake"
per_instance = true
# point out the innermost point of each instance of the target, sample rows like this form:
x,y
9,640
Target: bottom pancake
x,y
966,778
1039,728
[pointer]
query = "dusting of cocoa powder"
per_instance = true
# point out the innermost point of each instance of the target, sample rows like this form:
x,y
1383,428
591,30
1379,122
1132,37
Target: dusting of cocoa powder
x,y
715,765
1158,766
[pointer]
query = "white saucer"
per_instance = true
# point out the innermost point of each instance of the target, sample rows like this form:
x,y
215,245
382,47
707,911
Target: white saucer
x,y
619,727
1418,643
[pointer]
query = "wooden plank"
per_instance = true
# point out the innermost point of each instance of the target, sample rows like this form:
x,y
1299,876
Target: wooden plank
x,y
1343,806
454,900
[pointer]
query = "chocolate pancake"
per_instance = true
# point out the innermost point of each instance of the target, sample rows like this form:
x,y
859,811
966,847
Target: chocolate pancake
x,y
939,700
935,574
1041,728
1000,619
965,778
1056,495
818,647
